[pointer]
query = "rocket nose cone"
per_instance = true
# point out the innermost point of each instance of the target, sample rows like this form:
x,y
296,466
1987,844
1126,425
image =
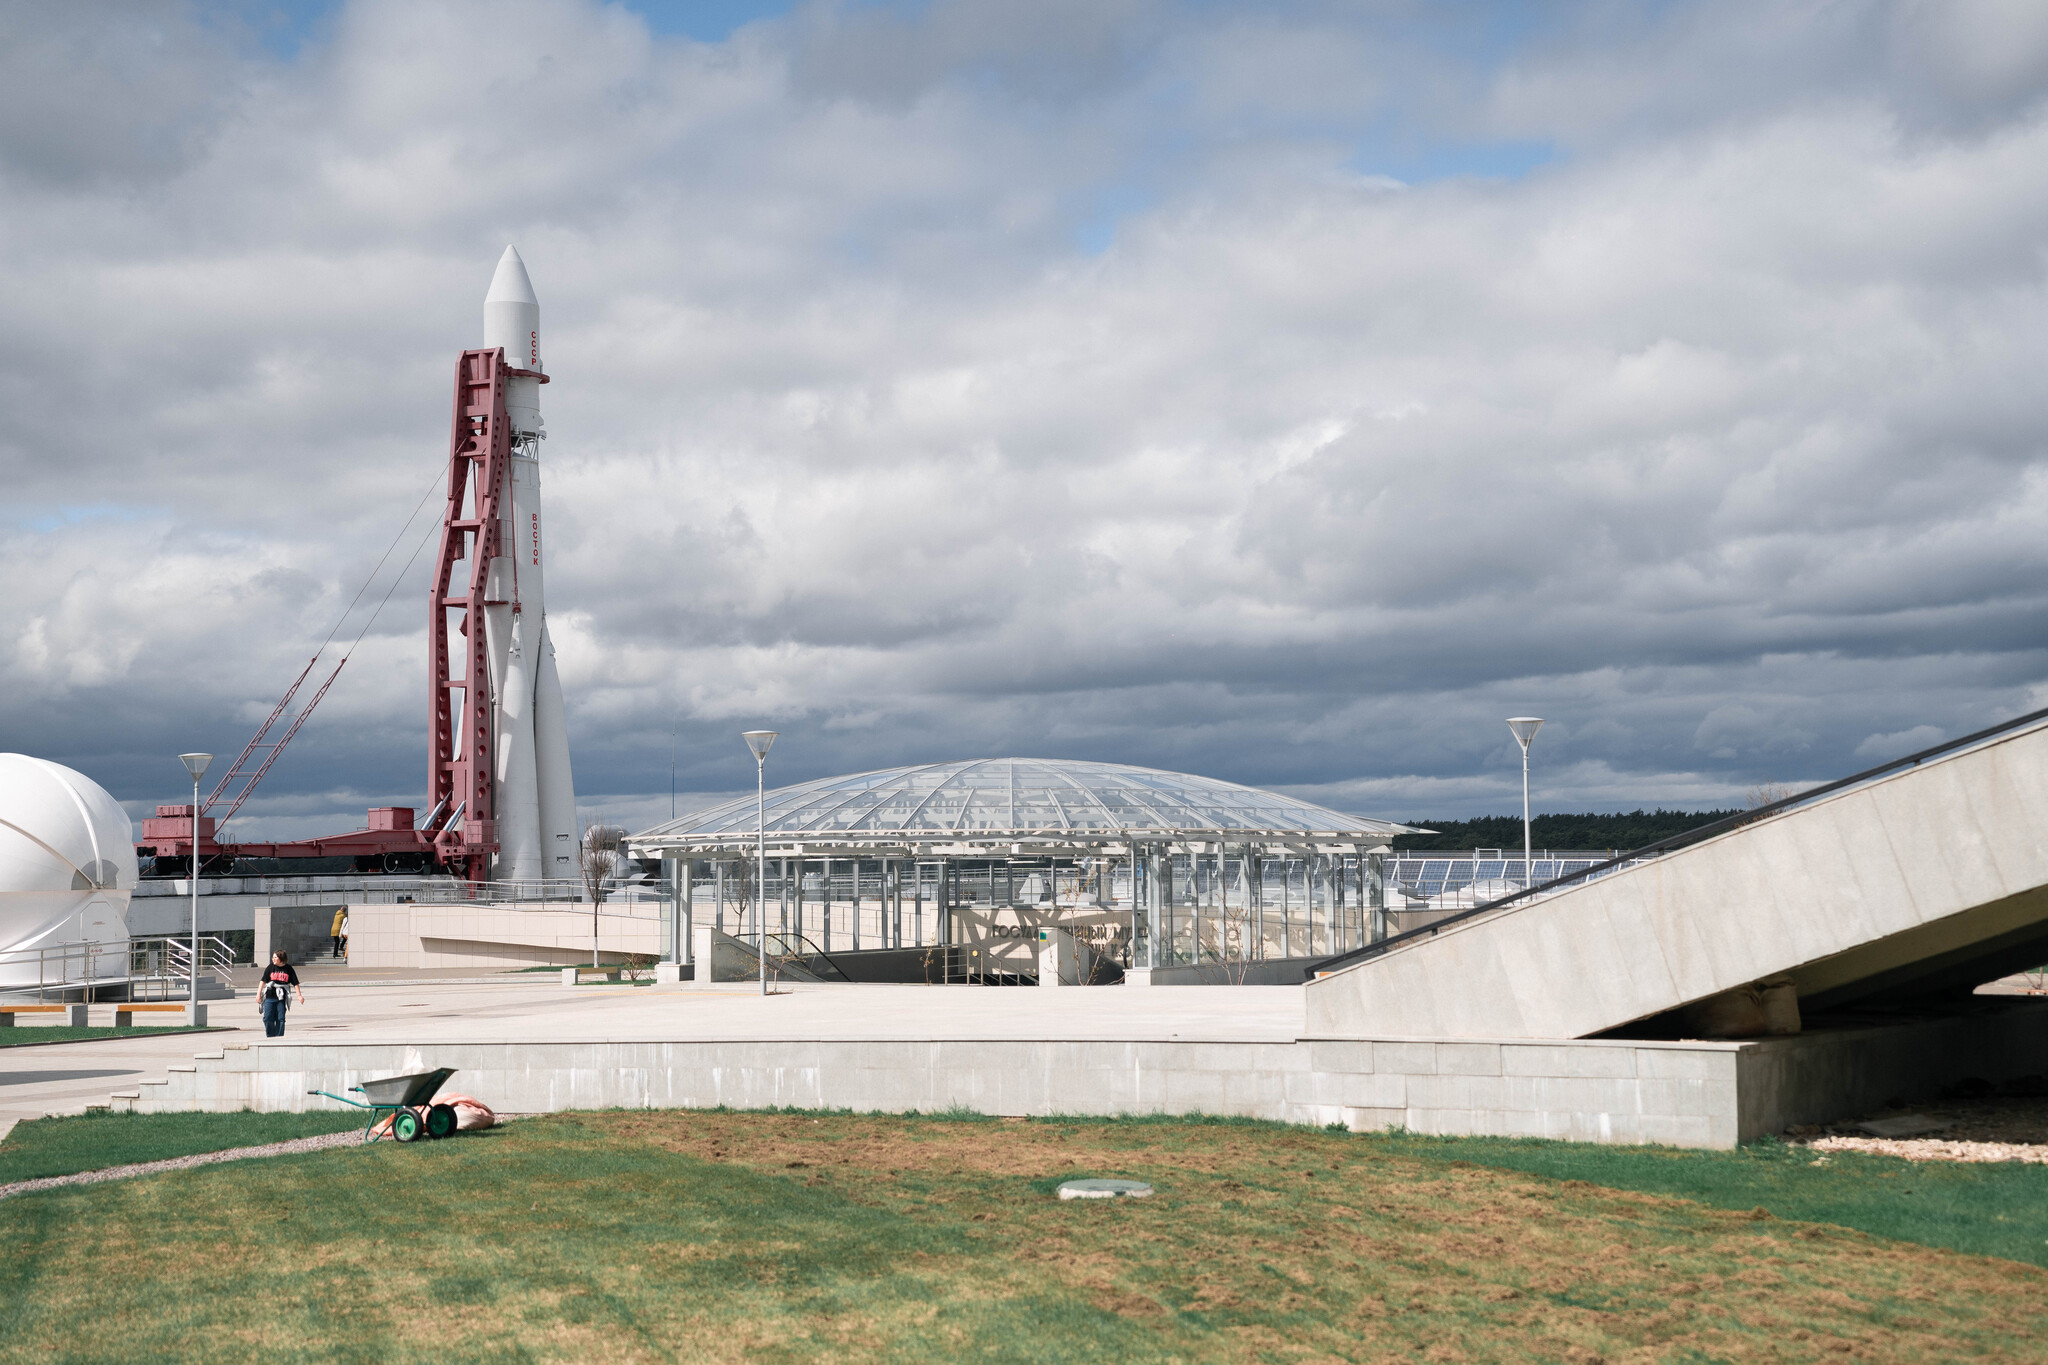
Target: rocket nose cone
x,y
510,284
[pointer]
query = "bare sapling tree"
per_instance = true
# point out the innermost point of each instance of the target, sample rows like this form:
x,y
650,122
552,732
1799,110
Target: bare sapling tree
x,y
1235,945
1767,794
600,856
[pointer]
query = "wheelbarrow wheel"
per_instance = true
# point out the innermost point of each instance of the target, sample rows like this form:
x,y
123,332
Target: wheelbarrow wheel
x,y
405,1124
441,1121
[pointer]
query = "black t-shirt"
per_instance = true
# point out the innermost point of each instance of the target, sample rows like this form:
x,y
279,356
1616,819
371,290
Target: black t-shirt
x,y
277,980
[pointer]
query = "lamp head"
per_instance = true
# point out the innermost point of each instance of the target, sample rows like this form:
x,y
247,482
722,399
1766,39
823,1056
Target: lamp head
x,y
195,764
1525,728
759,741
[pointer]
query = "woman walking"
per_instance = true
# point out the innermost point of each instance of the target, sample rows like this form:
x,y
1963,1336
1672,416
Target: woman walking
x,y
279,980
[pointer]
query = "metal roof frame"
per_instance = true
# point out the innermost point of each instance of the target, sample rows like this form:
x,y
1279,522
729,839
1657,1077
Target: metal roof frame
x,y
1130,805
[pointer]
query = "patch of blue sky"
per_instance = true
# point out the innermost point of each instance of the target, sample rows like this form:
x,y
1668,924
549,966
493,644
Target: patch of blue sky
x,y
61,516
1094,232
1487,34
1418,165
285,27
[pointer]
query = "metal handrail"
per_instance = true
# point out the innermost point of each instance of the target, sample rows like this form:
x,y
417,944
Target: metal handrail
x,y
1685,840
951,960
167,969
784,949
523,895
383,889
277,883
164,962
60,967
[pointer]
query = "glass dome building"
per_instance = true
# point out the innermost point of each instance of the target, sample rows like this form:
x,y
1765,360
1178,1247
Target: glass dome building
x,y
991,802
1150,868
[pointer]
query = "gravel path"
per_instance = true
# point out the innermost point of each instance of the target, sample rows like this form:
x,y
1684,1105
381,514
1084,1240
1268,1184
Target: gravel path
x,y
1992,1128
180,1163
1934,1149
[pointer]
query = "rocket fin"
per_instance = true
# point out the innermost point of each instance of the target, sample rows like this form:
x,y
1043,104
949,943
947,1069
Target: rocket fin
x,y
518,795
558,830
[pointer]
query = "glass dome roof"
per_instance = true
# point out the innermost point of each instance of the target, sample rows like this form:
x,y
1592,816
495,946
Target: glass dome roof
x,y
1046,803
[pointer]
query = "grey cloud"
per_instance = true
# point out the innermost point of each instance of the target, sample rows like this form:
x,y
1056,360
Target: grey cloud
x,y
1053,51
1901,742
124,94
1715,440
1624,71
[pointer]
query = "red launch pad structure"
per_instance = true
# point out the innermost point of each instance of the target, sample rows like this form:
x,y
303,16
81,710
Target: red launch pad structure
x,y
459,750
460,832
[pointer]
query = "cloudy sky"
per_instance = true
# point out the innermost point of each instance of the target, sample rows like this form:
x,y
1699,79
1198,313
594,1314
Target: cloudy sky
x,y
1285,392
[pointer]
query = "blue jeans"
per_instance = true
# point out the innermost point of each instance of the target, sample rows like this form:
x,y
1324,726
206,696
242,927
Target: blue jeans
x,y
273,1018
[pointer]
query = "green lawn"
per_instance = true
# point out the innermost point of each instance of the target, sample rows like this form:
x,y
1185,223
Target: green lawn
x,y
1991,1209
34,1035
673,1235
41,1147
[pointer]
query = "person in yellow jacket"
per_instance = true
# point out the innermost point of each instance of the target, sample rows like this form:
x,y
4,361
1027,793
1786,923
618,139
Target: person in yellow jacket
x,y
340,932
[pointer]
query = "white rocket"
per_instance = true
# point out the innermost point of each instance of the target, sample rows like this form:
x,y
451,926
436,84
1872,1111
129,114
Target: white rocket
x,y
536,796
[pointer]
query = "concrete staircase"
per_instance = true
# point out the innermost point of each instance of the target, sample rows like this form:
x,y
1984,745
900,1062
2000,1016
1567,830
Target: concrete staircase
x,y
210,1081
1906,892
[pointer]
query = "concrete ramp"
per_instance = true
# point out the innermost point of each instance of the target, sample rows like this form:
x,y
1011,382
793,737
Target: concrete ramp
x,y
1895,893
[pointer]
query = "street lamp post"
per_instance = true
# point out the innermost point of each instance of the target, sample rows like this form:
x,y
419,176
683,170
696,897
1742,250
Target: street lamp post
x,y
195,764
759,741
1525,728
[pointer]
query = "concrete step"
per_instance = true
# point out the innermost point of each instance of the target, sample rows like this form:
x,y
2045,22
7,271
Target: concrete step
x,y
212,1081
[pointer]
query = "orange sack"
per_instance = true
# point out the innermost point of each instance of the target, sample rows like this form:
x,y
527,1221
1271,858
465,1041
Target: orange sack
x,y
469,1113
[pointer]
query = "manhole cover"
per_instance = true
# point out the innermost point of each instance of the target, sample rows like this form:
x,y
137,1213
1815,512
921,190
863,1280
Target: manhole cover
x,y
1105,1189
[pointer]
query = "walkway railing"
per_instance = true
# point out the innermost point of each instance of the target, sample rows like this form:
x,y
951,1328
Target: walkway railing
x,y
1687,839
158,968
550,894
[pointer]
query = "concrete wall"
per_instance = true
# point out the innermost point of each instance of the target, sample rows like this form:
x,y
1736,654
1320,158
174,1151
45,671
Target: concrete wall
x,y
1816,1077
1685,1094
165,907
488,936
1929,861
304,931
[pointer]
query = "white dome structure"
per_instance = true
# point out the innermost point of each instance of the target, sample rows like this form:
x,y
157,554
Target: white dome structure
x,y
67,869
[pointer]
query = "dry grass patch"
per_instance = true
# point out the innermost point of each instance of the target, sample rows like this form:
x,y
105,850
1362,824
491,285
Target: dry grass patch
x,y
724,1236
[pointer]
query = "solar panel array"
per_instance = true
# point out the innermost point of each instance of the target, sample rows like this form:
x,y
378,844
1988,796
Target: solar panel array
x,y
1430,876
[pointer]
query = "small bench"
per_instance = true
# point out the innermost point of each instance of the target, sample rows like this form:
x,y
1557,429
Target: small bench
x,y
75,1014
124,1015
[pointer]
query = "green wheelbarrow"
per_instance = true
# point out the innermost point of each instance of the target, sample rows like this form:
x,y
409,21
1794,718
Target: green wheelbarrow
x,y
408,1101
